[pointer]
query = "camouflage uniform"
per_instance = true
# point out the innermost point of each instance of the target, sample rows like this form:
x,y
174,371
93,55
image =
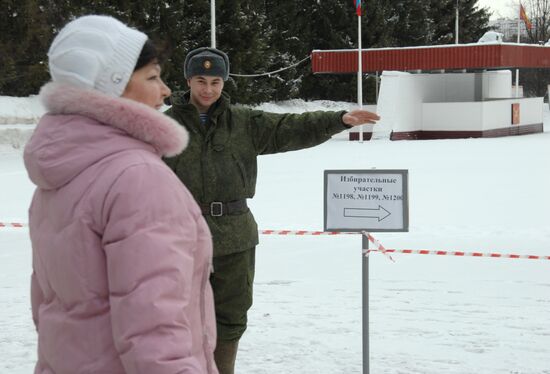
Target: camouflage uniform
x,y
220,165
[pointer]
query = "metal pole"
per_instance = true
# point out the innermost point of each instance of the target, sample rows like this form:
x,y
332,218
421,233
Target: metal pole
x,y
456,24
213,23
360,75
517,70
366,358
376,96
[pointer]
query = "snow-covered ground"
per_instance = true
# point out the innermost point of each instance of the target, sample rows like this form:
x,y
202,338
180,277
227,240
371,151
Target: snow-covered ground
x,y
428,314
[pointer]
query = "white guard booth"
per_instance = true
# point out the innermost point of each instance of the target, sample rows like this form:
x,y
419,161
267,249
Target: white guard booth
x,y
453,105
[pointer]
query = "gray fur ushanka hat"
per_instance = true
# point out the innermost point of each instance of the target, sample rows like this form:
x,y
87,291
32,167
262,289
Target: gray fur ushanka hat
x,y
206,61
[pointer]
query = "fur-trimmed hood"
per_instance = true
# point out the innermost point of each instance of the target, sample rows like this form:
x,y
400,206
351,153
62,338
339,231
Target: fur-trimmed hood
x,y
82,127
136,119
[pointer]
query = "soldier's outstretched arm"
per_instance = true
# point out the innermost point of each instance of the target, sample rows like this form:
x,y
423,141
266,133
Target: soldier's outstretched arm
x,y
273,132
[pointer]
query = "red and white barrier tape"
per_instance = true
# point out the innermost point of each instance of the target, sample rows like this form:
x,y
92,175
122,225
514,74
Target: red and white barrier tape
x,y
460,254
304,232
12,224
378,246
386,251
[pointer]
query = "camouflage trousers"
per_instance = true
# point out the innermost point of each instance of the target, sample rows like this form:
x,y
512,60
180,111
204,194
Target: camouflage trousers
x,y
232,282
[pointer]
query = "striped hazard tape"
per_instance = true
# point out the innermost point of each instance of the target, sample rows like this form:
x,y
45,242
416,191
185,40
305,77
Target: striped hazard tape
x,y
386,251
304,232
378,246
262,232
12,224
460,253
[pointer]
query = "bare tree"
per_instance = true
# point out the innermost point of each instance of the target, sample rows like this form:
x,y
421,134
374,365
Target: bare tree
x,y
539,14
535,81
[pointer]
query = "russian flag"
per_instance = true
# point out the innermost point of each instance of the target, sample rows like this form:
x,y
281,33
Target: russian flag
x,y
358,7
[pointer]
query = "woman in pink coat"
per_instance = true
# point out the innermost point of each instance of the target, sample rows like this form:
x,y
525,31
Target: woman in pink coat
x,y
121,253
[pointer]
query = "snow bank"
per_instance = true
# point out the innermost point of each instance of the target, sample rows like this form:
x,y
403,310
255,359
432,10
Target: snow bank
x,y
15,136
20,110
18,117
300,106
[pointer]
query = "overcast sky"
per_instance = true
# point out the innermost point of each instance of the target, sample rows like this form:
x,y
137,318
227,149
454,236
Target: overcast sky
x,y
500,8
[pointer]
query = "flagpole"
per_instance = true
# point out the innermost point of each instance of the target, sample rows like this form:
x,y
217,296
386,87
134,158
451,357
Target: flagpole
x,y
359,74
213,23
517,70
365,259
456,23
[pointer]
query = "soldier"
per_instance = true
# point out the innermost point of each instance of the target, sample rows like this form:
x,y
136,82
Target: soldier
x,y
219,167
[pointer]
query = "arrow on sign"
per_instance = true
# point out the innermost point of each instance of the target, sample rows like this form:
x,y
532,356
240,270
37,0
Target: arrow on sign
x,y
380,213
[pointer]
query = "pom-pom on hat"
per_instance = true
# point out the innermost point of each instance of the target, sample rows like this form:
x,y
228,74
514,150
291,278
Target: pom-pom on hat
x,y
95,52
206,61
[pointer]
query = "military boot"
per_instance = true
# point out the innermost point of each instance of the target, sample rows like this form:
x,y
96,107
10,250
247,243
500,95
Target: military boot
x,y
225,355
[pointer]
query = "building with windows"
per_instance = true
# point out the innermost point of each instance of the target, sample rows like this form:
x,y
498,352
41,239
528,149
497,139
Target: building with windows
x,y
509,29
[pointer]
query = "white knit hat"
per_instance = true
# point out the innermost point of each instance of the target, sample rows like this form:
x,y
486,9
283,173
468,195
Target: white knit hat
x,y
96,52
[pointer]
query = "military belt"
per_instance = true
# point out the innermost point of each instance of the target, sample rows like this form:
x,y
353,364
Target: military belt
x,y
218,208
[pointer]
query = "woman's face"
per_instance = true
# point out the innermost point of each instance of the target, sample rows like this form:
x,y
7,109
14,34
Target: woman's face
x,y
146,86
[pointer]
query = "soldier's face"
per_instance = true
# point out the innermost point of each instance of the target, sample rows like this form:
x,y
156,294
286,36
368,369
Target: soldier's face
x,y
205,90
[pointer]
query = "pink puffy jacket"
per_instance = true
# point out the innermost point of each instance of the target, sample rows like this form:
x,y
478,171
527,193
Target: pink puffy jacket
x,y
121,252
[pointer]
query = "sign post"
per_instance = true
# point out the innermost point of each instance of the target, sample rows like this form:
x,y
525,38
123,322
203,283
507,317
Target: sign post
x,y
366,200
365,303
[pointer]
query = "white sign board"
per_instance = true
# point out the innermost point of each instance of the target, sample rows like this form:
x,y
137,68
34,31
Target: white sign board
x,y
370,200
